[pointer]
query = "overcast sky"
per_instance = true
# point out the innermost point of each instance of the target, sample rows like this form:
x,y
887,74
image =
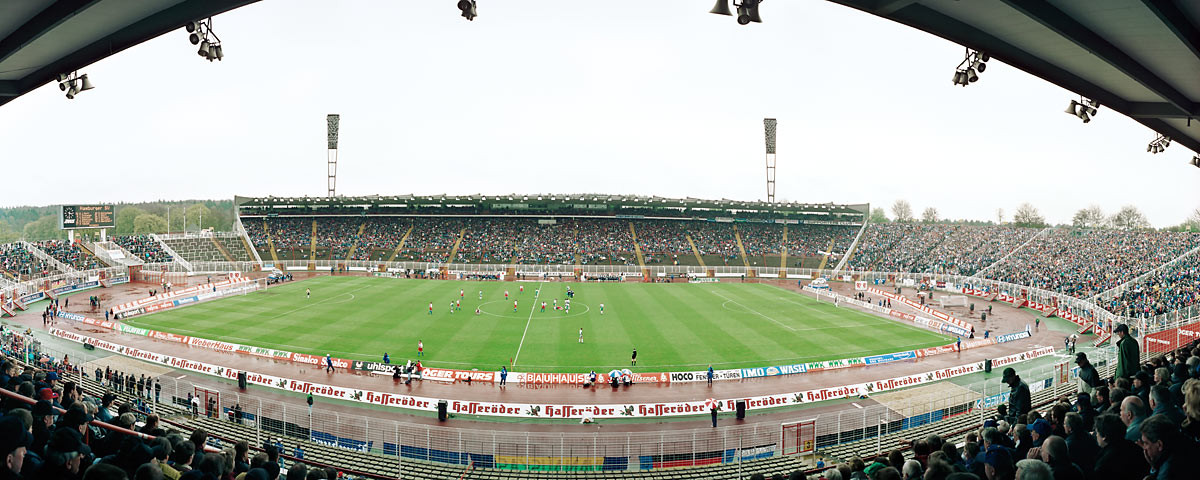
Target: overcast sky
x,y
653,98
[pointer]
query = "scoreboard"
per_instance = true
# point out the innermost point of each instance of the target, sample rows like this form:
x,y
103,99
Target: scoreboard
x,y
86,216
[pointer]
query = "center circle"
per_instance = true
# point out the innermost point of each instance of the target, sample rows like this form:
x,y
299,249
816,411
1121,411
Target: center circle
x,y
578,308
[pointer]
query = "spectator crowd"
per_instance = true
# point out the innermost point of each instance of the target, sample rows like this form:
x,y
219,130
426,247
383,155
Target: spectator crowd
x,y
146,248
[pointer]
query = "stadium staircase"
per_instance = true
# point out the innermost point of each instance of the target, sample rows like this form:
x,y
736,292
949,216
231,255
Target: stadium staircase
x,y
270,242
4,310
37,252
114,254
825,258
221,248
696,251
457,243
196,248
312,245
86,248
783,254
1009,254
357,238
850,250
741,250
637,250
244,240
186,264
400,245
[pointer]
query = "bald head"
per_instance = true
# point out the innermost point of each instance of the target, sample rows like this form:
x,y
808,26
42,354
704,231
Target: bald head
x,y
1054,449
1132,408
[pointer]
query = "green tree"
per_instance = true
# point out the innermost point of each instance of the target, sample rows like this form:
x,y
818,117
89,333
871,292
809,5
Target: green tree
x,y
125,218
878,215
45,228
1129,218
198,216
149,223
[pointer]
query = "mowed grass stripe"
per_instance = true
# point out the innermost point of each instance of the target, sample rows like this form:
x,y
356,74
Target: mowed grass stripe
x,y
674,327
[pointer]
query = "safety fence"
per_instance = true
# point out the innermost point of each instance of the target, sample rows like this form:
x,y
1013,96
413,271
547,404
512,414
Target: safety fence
x,y
521,449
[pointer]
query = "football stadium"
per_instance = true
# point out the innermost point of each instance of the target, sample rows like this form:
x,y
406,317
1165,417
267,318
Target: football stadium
x,y
552,335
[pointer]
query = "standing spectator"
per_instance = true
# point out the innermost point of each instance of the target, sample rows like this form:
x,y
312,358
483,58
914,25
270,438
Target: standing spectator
x,y
1088,376
503,375
1019,399
710,375
1127,352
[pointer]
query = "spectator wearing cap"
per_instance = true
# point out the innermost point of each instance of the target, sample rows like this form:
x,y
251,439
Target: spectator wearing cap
x,y
1039,430
161,447
1141,385
998,464
64,456
1127,352
1019,398
43,419
14,441
1168,454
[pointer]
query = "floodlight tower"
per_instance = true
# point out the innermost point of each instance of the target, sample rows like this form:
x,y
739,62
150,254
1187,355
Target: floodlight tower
x,y
332,136
769,126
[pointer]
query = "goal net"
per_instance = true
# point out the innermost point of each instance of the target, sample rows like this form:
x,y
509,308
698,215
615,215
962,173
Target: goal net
x,y
799,438
952,300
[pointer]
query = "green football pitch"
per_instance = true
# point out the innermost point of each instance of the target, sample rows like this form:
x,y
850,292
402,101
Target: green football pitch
x,y
674,327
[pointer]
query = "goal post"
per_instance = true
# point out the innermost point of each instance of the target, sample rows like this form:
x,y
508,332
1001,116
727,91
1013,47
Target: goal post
x,y
952,300
799,438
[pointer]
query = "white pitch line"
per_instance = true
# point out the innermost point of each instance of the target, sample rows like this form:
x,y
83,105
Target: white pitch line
x,y
751,310
351,293
531,309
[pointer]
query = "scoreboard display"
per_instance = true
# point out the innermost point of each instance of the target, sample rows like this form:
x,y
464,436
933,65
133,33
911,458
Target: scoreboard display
x,y
87,216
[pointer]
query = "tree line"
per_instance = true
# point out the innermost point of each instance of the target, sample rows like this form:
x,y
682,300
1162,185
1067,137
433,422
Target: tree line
x,y
1127,218
42,223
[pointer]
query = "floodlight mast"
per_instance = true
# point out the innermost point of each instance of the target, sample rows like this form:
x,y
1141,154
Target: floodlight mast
x,y
331,134
769,129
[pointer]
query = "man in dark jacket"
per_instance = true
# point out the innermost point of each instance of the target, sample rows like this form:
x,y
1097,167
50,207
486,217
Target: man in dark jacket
x,y
14,440
1127,352
1019,399
1160,403
1081,446
1169,455
1089,378
1118,458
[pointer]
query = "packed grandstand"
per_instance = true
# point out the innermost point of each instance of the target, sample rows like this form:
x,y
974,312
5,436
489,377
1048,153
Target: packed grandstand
x,y
1138,273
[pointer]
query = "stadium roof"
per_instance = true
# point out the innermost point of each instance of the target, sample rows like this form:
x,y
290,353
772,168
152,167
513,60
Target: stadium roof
x,y
1138,57
549,199
39,39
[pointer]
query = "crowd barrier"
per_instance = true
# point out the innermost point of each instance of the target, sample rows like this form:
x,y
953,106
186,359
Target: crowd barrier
x,y
507,409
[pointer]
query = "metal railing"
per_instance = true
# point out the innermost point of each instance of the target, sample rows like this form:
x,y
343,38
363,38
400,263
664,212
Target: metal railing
x,y
267,419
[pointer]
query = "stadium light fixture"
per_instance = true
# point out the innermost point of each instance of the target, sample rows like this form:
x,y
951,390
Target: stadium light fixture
x,y
1196,161
747,10
974,62
1159,144
200,33
468,9
1085,109
73,83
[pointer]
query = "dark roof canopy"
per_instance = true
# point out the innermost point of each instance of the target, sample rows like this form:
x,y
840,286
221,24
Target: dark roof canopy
x,y
1138,57
550,199
39,39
